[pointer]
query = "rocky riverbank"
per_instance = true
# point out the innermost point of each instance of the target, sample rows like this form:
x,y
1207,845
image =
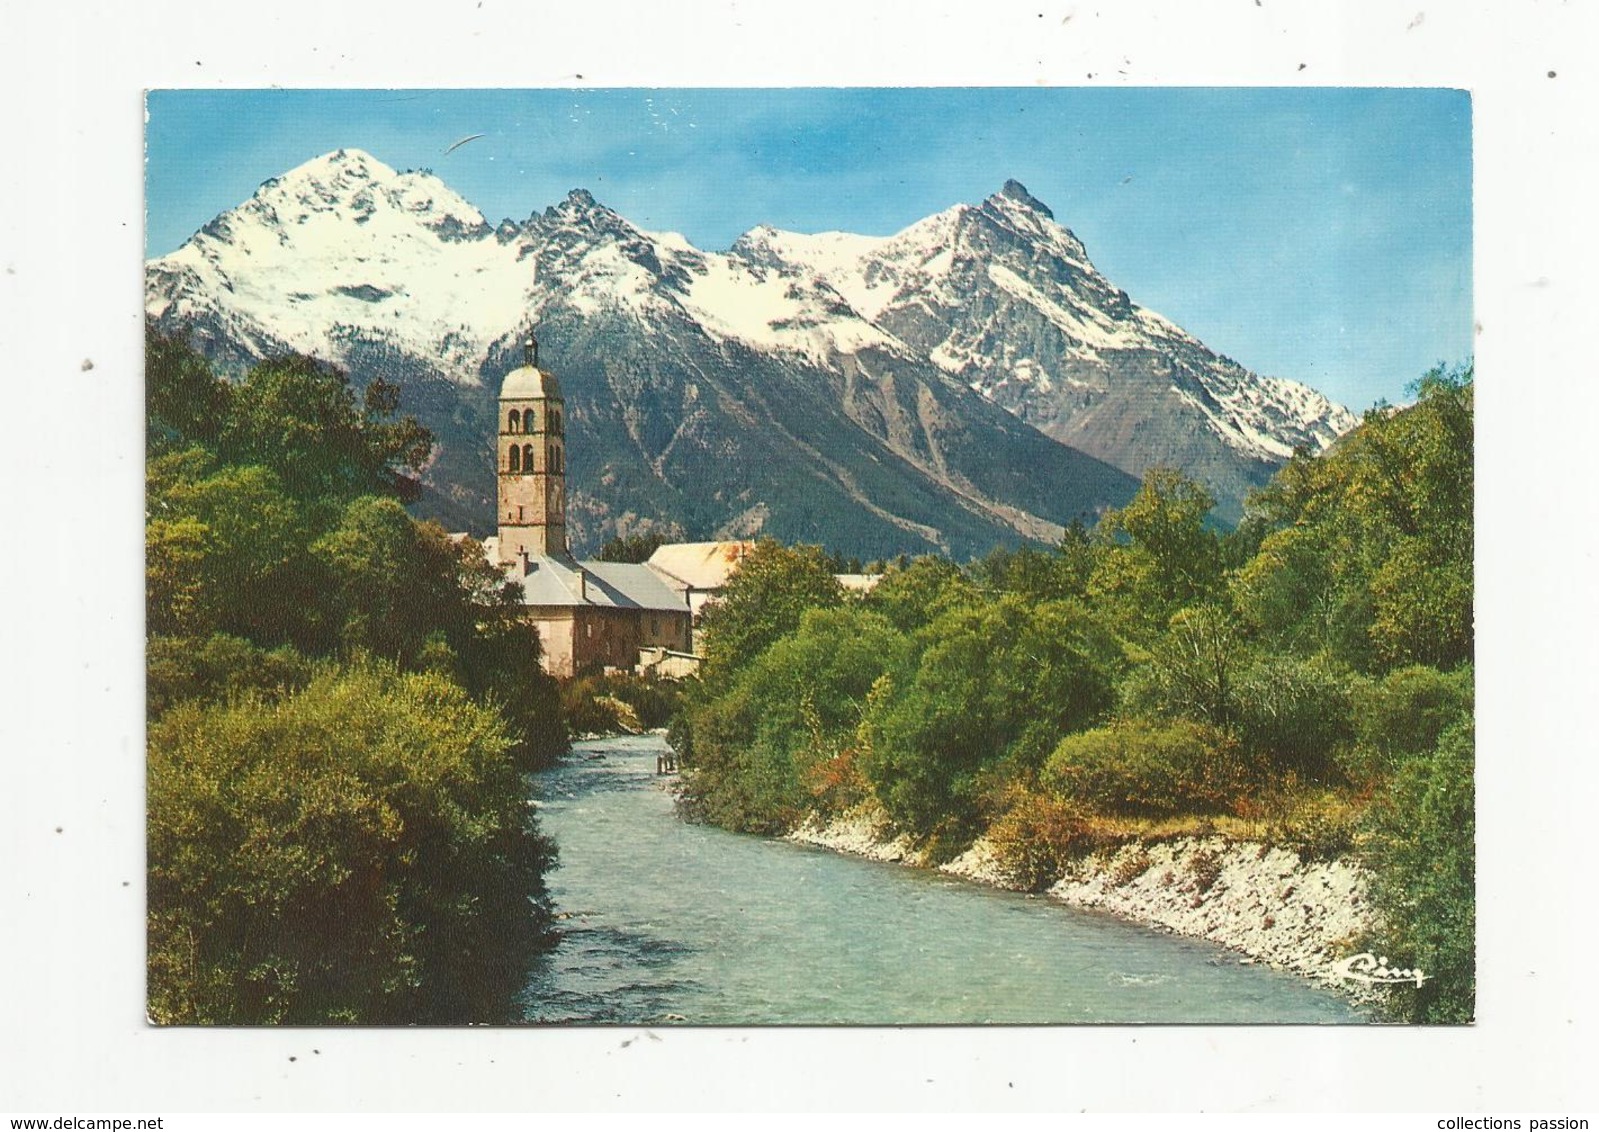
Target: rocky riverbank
x,y
1259,900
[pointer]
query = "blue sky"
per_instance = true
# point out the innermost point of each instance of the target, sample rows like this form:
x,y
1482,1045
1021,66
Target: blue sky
x,y
1318,234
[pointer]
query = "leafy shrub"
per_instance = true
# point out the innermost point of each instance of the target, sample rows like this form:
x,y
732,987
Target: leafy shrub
x,y
1036,837
358,851
1422,853
217,668
1137,768
1403,716
994,689
1316,833
1297,714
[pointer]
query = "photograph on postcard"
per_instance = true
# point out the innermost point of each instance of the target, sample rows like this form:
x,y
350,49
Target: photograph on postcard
x,y
906,556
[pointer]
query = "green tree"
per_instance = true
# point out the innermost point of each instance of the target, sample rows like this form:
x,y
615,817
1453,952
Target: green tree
x,y
1159,555
914,594
1422,851
393,581
764,599
354,852
302,419
767,749
995,687
226,552
1301,593
1195,669
1044,575
1371,543
185,402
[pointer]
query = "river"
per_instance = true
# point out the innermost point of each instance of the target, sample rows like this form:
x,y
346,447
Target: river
x,y
664,921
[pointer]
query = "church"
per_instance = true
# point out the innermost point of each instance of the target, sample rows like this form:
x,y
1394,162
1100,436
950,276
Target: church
x,y
590,615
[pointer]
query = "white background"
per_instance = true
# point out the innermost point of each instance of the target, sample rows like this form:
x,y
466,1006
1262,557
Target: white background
x,y
71,738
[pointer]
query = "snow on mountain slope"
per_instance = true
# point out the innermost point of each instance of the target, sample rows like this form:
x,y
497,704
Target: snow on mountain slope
x,y
346,242
1005,298
344,256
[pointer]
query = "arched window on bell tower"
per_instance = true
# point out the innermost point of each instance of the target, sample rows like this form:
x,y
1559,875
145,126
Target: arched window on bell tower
x,y
532,458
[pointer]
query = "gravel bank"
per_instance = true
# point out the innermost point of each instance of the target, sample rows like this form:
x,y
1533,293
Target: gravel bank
x,y
1255,899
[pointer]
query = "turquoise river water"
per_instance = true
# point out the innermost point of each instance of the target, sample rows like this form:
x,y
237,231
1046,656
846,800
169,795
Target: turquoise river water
x,y
665,921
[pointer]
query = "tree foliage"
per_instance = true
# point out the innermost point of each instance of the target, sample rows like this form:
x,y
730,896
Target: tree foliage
x,y
1166,557
765,599
913,595
356,851
791,724
1370,554
302,419
1423,856
342,701
995,686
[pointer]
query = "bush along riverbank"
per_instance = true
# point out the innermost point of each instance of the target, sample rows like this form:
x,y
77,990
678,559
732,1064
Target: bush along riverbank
x,y
343,706
597,706
1216,704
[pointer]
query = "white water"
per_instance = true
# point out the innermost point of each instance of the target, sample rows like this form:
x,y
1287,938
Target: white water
x,y
665,921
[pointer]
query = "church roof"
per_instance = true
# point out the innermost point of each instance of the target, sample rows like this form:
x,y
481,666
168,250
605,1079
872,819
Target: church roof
x,y
528,382
565,582
700,565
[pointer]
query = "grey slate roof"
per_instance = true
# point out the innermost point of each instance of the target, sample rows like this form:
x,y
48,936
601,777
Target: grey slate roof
x,y
564,581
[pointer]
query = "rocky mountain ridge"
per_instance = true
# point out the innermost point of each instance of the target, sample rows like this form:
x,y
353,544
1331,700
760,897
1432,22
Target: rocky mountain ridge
x,y
878,394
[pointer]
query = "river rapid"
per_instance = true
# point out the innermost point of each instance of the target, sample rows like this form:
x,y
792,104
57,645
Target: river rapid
x,y
663,921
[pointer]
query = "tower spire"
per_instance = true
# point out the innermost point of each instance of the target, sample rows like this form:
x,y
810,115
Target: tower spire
x,y
530,349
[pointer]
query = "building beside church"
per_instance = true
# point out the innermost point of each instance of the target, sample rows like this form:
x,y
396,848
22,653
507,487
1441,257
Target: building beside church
x,y
590,615
699,570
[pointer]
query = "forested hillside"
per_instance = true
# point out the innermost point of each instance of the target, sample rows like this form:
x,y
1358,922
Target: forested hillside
x,y
1305,679
342,704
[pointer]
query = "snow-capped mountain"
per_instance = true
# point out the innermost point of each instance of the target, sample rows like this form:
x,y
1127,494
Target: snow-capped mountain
x,y
1005,299
865,392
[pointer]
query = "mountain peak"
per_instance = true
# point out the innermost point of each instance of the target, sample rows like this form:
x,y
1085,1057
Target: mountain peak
x,y
354,164
345,257
1016,191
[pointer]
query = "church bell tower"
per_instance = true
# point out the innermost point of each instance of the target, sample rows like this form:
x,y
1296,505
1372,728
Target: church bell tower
x,y
532,461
